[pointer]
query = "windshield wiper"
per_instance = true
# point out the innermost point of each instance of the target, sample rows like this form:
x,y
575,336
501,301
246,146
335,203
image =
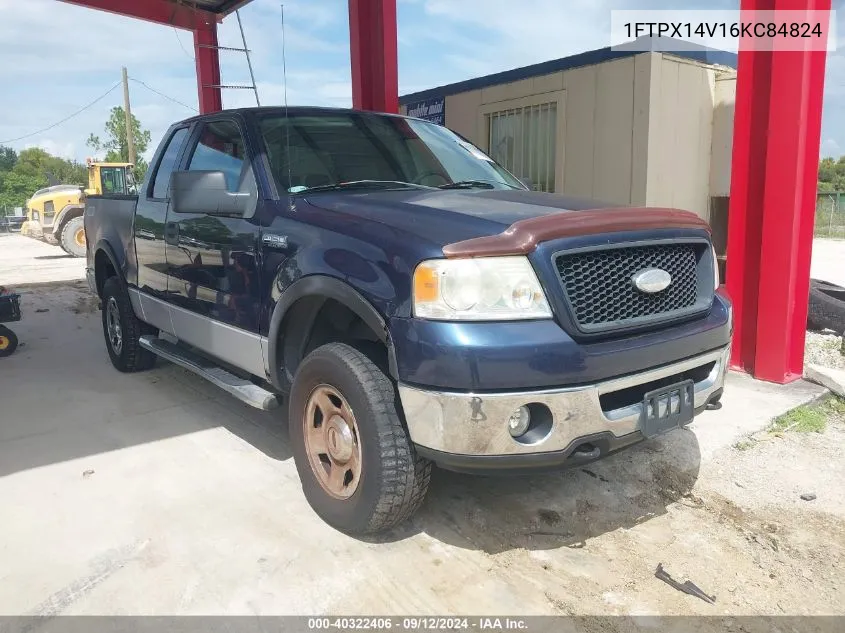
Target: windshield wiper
x,y
474,184
360,184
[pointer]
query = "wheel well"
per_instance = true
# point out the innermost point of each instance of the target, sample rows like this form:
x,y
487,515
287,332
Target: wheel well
x,y
103,269
67,216
314,321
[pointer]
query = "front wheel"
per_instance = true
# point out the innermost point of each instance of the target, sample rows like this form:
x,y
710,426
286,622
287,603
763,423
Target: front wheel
x,y
358,467
72,239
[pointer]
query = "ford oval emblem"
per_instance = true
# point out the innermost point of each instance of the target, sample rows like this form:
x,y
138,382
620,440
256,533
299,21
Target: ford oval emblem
x,y
651,280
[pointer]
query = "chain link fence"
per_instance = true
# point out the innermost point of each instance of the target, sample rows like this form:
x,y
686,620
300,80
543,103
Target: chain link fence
x,y
830,214
11,219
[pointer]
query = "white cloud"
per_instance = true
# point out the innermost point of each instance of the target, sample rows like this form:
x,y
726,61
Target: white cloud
x,y
831,148
45,77
63,149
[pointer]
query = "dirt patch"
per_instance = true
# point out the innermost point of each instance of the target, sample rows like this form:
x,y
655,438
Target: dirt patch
x,y
737,528
86,304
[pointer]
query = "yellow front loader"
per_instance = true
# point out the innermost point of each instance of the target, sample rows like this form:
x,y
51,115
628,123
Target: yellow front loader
x,y
54,214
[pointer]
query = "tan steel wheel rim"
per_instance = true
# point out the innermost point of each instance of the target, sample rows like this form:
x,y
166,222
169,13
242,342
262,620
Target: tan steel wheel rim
x,y
332,442
79,237
4,342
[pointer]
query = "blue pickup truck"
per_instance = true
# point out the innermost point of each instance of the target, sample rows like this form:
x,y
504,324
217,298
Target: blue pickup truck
x,y
409,301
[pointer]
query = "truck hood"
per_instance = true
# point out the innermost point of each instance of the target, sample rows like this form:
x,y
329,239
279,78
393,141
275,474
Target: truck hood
x,y
445,217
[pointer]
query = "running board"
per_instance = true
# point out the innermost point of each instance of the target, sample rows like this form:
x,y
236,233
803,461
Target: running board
x,y
241,388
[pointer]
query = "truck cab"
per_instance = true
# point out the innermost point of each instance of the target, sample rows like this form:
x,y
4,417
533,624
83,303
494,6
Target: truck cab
x,y
406,301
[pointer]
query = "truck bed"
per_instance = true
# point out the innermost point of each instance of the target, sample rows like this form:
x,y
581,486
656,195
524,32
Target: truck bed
x,y
111,218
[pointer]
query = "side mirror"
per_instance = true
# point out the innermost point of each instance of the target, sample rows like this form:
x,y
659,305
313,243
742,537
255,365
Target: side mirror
x,y
206,192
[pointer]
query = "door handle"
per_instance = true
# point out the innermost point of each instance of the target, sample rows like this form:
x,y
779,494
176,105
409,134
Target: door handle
x,y
171,233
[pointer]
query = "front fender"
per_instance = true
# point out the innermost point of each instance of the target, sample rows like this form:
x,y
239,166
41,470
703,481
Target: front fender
x,y
324,287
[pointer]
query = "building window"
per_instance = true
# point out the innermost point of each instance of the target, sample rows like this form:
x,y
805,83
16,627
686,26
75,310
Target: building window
x,y
523,141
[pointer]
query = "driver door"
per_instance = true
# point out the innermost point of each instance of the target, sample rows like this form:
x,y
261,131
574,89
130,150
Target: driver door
x,y
213,282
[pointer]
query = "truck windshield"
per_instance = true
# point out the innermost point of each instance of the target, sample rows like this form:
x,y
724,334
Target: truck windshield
x,y
329,150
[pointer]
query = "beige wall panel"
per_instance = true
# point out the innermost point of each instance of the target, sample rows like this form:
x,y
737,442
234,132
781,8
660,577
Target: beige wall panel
x,y
642,125
722,140
462,116
580,85
666,109
679,175
700,194
547,83
612,131
504,92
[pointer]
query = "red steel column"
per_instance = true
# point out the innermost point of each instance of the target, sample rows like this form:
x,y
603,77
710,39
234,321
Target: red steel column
x,y
208,65
777,128
372,41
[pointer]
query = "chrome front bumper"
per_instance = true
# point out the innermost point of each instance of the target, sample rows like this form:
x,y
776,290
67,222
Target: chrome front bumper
x,y
476,424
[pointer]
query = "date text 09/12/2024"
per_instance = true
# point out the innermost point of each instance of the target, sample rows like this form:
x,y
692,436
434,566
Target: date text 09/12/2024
x,y
417,623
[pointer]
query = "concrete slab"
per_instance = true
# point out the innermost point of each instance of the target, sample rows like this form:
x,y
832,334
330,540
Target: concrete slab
x,y
828,261
833,379
24,260
155,493
747,406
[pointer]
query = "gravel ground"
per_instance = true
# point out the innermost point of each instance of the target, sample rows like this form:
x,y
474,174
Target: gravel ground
x,y
822,348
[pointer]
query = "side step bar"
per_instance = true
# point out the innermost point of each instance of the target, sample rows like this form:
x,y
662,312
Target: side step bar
x,y
242,389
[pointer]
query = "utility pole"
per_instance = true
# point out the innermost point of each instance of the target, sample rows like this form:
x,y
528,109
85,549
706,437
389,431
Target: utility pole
x,y
130,137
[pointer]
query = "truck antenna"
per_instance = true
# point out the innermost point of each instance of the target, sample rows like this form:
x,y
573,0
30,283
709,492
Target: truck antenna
x,y
287,124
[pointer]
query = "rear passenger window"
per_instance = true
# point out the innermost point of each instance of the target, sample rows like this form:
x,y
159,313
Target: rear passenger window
x,y
168,162
221,148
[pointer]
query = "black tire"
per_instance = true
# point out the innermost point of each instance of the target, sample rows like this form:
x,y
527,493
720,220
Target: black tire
x,y
827,307
67,239
8,341
128,356
393,478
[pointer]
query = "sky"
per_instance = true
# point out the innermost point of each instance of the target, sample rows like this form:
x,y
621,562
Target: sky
x,y
57,58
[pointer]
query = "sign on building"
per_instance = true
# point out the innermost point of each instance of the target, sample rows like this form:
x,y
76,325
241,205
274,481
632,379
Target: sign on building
x,y
433,110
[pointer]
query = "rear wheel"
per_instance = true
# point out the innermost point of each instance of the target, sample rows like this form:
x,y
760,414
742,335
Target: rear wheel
x,y
122,330
358,467
8,341
72,238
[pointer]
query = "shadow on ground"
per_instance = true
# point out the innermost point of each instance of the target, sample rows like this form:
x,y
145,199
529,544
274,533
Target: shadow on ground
x,y
61,399
559,508
69,402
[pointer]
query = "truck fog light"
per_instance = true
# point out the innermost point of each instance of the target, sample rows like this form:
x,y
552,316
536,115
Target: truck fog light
x,y
519,421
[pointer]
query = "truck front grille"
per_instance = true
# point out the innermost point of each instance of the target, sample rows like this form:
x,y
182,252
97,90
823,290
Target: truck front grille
x,y
599,289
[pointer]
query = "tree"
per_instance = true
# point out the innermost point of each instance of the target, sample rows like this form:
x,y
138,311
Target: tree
x,y
8,158
23,174
114,145
832,174
18,187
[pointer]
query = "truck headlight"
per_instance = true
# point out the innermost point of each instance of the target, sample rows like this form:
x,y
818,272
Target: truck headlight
x,y
480,289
